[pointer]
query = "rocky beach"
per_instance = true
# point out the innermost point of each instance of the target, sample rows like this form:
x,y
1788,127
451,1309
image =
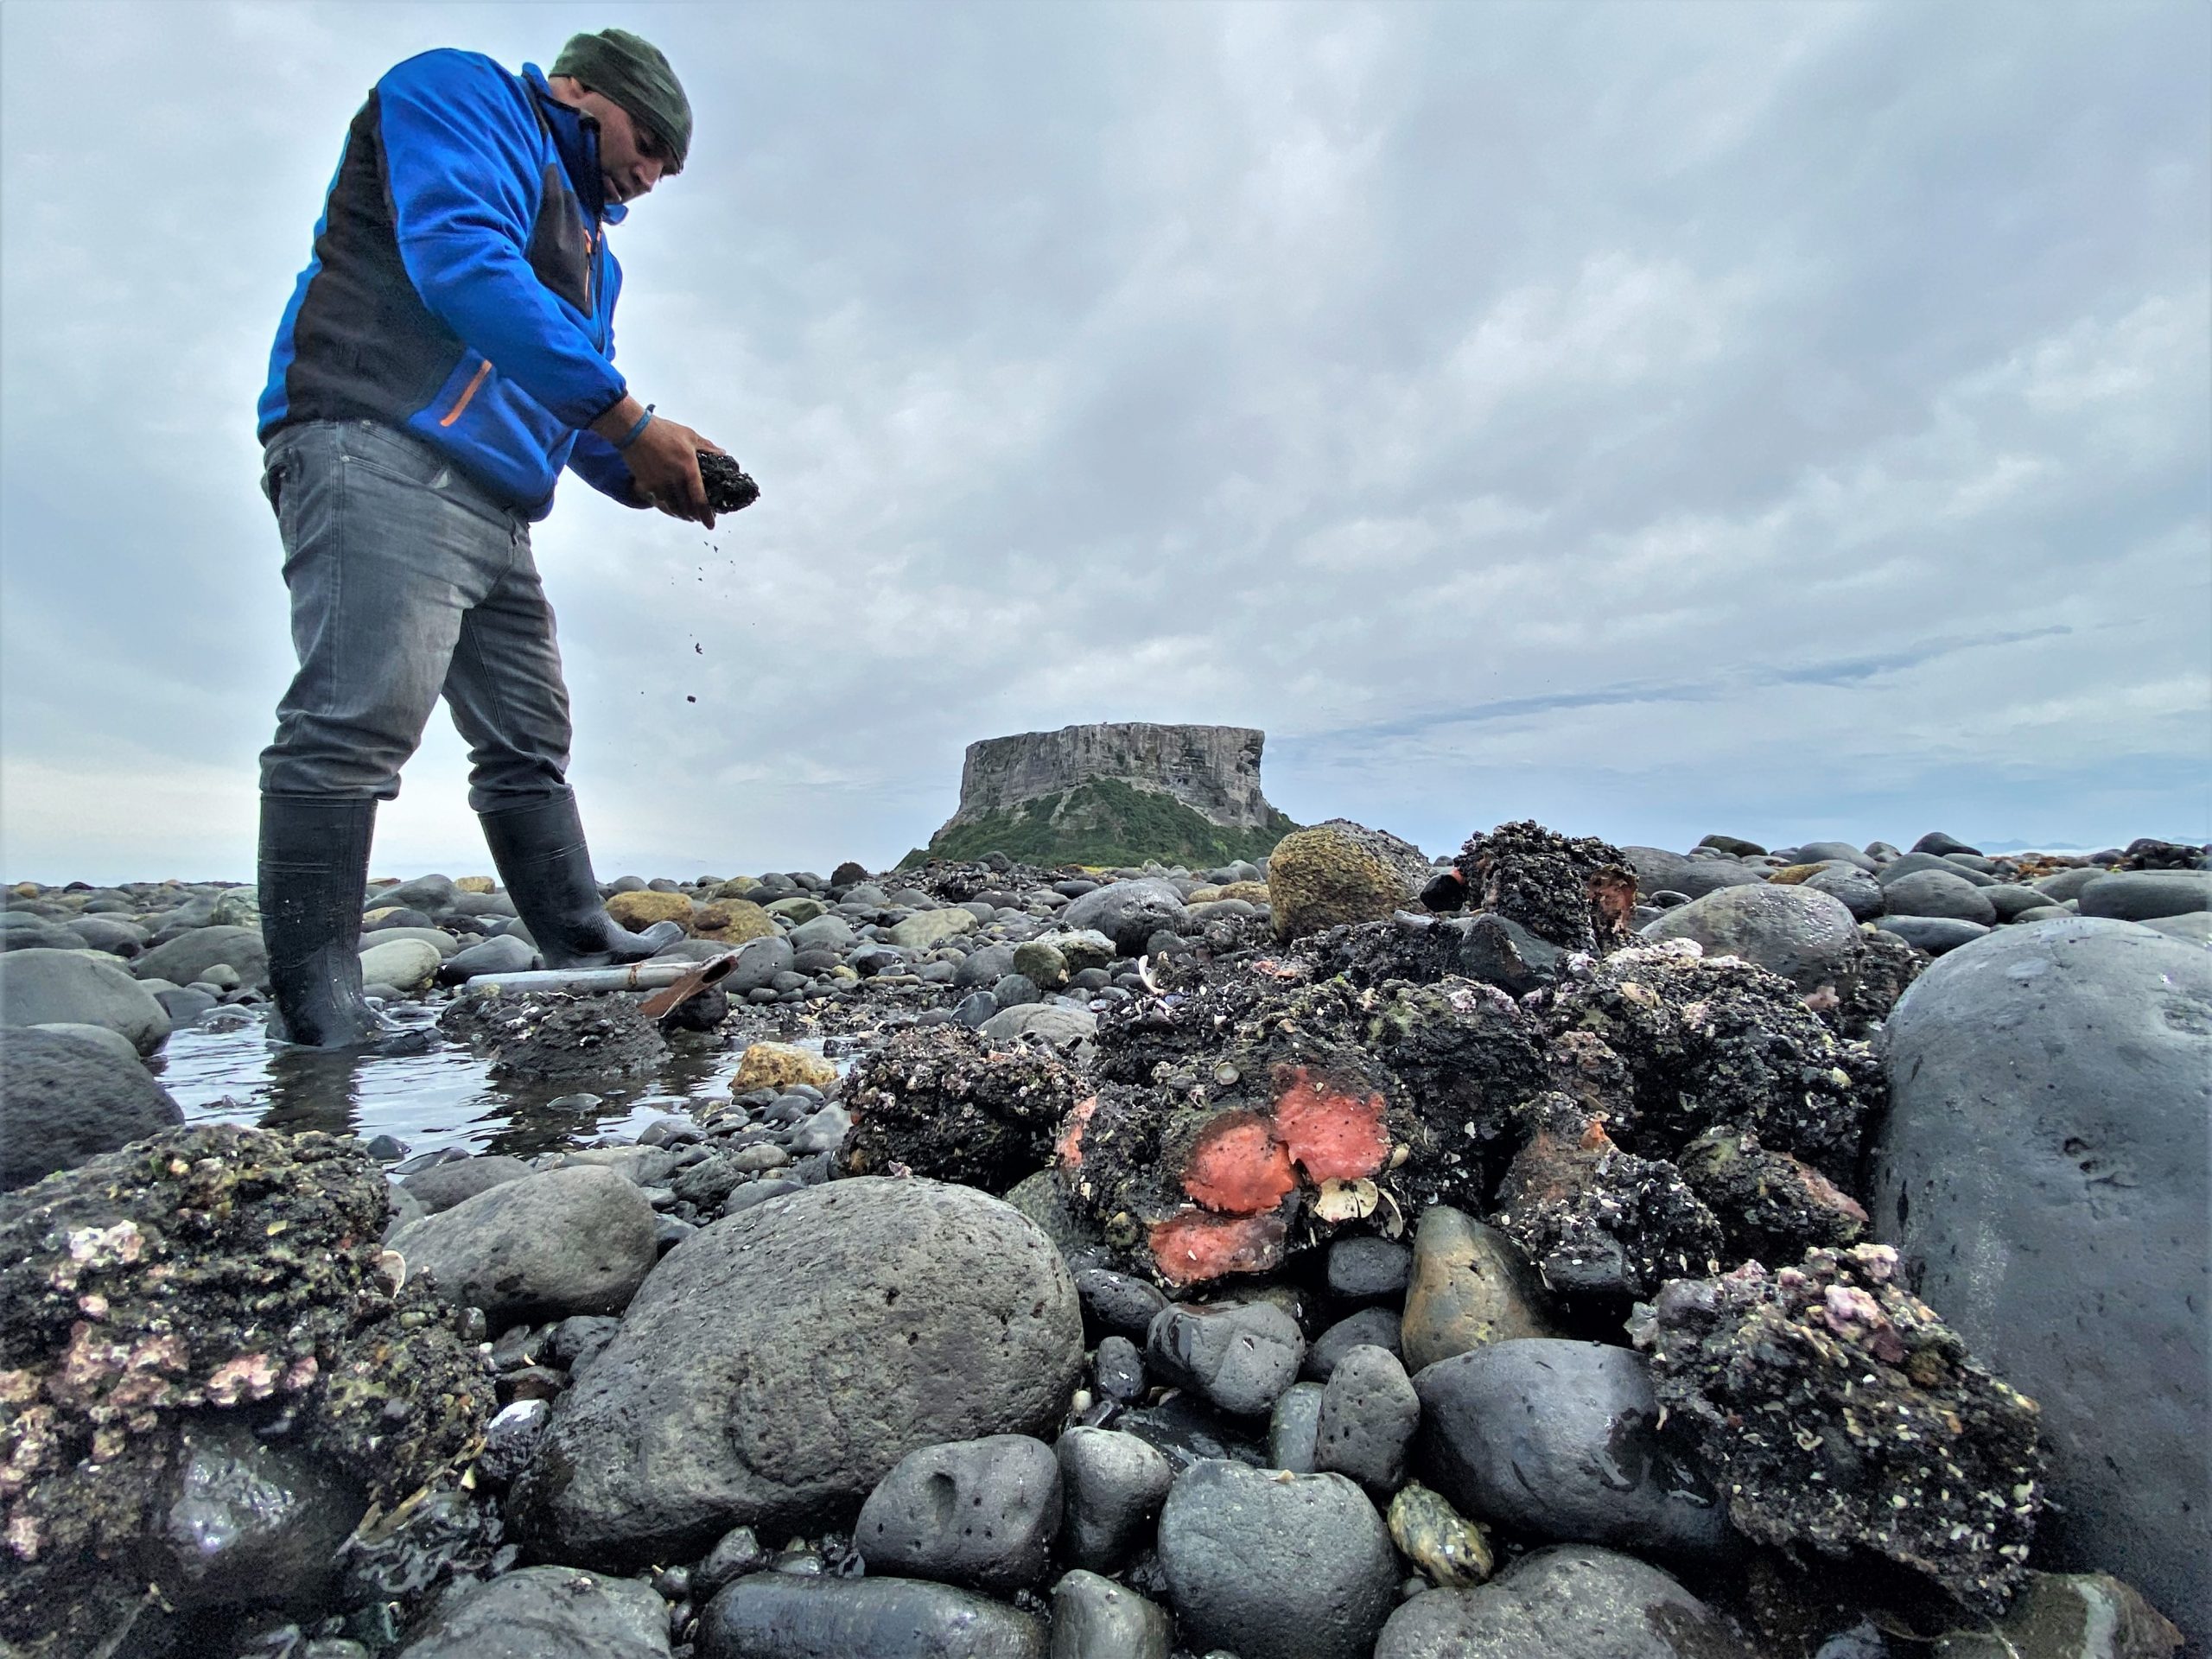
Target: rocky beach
x,y
1553,1250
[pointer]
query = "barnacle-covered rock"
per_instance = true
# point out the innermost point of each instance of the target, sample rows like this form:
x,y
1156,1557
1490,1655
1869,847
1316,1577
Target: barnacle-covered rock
x,y
1836,1411
1771,1206
553,1036
215,1269
1596,1220
947,1104
1714,1042
1575,892
1883,967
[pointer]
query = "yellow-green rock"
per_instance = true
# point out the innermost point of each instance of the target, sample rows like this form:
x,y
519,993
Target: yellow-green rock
x,y
641,910
1449,1549
1471,1286
733,921
736,887
778,1065
799,908
474,884
1338,873
927,928
1790,875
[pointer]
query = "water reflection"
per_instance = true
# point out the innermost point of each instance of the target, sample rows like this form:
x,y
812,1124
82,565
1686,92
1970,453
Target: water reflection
x,y
444,1097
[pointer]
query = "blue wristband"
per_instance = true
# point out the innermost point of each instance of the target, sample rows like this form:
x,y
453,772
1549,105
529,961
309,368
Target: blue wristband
x,y
637,431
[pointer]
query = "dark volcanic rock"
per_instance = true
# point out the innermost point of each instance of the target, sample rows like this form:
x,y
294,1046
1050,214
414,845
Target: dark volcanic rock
x,y
976,1512
1771,1206
777,1364
546,1612
206,1269
1241,1356
1837,1411
946,1104
775,1616
1570,1602
1297,1568
66,1100
1369,1412
2043,1171
1561,1439
251,1521
1576,892
1094,1618
1114,1484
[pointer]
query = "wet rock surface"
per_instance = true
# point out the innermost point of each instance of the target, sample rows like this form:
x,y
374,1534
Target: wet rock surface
x,y
68,1100
1569,1602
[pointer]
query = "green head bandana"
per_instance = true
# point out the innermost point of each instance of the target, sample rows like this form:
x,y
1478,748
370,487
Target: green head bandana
x,y
618,65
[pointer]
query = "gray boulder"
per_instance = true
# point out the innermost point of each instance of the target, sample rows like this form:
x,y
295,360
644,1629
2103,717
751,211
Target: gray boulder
x,y
1921,863
568,1241
1857,891
2062,885
546,1612
1368,1413
1937,935
64,1100
503,955
1114,1485
776,1616
779,1363
2145,895
109,933
1806,936
1241,1356
1094,1618
975,1512
1050,1021
1128,912
40,987
188,956
1561,1439
1569,1602
2043,1169
1938,893
1297,1568
1658,870
434,895
758,962
443,1185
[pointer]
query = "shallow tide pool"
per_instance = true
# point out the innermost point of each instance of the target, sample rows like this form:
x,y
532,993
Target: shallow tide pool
x,y
446,1098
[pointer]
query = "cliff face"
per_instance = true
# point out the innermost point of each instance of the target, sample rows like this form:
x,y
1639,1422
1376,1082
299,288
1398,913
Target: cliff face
x,y
1114,794
1213,770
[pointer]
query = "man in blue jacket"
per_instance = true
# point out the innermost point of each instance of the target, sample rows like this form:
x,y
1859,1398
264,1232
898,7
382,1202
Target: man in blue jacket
x,y
448,349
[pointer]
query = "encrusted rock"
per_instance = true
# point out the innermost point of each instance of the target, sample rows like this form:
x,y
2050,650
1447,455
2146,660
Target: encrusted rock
x,y
211,1268
1577,892
1836,1411
944,1103
551,1037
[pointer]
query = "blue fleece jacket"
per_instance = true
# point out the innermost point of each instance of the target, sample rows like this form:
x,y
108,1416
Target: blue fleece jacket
x,y
461,288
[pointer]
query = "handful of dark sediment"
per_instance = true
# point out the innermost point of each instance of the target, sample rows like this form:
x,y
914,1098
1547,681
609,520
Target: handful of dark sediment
x,y
729,486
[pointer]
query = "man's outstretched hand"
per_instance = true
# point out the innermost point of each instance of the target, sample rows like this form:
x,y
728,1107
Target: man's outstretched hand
x,y
663,461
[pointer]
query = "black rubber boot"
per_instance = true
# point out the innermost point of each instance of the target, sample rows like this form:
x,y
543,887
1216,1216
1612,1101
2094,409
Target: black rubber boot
x,y
314,868
546,865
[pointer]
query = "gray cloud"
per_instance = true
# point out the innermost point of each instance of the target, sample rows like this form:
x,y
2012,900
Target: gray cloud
x,y
1653,419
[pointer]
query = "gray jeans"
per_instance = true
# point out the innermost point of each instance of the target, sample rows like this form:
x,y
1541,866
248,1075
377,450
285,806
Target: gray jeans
x,y
407,580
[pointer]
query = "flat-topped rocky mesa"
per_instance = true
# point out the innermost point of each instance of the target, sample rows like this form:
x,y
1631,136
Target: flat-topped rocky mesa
x,y
1121,792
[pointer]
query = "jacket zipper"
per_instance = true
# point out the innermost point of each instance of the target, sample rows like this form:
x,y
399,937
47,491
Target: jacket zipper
x,y
452,414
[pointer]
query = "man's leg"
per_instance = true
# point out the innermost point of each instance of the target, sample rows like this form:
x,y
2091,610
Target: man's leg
x,y
382,561
508,700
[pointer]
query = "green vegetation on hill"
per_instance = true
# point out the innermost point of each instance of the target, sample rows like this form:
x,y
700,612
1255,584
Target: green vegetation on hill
x,y
1105,821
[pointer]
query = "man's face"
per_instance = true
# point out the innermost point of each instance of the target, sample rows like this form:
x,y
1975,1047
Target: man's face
x,y
631,159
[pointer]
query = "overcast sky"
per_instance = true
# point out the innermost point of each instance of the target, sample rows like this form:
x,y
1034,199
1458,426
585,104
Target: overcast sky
x,y
1653,418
